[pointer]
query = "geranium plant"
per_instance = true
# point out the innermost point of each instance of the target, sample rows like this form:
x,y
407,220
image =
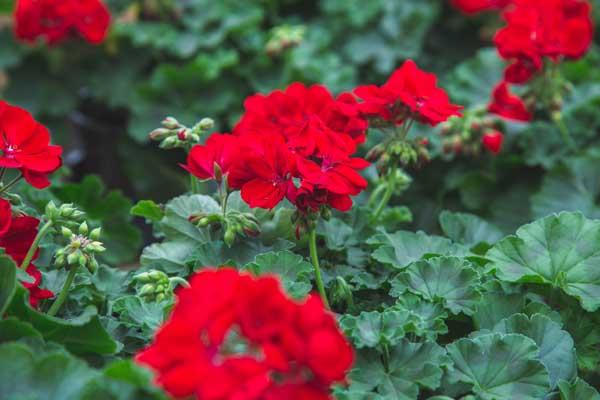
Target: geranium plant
x,y
434,236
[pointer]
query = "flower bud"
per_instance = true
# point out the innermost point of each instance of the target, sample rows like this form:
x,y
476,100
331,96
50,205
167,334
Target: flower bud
x,y
66,232
160,134
92,265
206,124
95,234
171,123
82,260
83,228
146,290
157,275
144,277
169,143
183,135
95,247
73,258
229,237
51,210
160,297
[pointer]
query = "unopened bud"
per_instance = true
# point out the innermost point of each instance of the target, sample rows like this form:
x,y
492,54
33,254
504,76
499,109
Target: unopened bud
x,y
92,265
146,289
160,134
170,123
66,232
144,277
73,258
95,234
83,228
229,237
51,210
206,124
183,135
169,143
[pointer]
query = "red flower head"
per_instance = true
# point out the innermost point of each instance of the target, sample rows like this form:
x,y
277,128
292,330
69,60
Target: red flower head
x,y
408,93
25,145
56,20
476,6
508,105
264,170
16,242
308,118
292,350
492,141
537,29
214,159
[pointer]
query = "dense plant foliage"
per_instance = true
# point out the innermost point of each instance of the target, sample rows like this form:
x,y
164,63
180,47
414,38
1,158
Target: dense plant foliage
x,y
326,218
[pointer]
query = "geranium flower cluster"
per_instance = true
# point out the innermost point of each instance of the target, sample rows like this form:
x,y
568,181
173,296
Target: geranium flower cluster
x,y
295,144
538,33
56,20
232,336
17,233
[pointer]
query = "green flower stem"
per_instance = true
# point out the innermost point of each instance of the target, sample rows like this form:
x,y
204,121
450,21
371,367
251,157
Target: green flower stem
x,y
312,244
36,243
564,131
375,195
63,293
224,200
193,184
391,185
11,183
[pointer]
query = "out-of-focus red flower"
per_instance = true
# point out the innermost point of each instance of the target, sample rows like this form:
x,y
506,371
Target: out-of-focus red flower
x,y
25,145
220,150
476,6
16,242
264,170
408,93
492,141
57,20
5,216
35,292
508,105
293,350
537,29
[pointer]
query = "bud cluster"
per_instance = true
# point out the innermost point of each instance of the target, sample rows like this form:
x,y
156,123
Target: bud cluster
x,y
284,37
470,135
173,134
66,215
403,153
81,250
234,224
156,286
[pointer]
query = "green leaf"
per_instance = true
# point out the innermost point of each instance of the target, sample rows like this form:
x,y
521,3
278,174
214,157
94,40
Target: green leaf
x,y
27,375
468,229
145,317
8,282
402,248
496,305
374,328
428,318
11,329
578,390
571,186
176,224
500,367
556,347
169,257
411,367
583,327
81,335
560,250
148,209
449,280
294,271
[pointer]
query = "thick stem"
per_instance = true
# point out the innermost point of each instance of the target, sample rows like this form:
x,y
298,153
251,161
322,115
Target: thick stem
x,y
63,293
36,243
225,197
312,244
375,195
391,185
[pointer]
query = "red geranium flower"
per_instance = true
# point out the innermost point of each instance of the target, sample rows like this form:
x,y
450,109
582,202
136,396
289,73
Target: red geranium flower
x,y
537,29
264,171
492,141
16,243
294,350
25,145
220,150
508,105
408,93
5,216
308,118
476,6
56,20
